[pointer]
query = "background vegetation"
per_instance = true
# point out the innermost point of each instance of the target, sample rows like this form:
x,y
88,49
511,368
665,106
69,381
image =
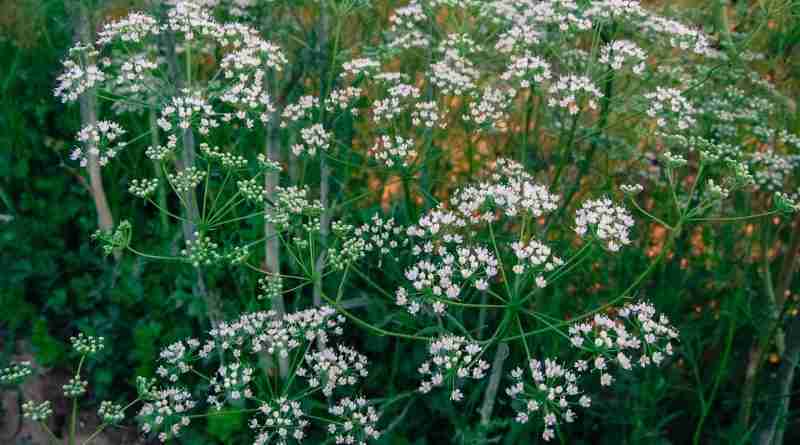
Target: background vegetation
x,y
54,280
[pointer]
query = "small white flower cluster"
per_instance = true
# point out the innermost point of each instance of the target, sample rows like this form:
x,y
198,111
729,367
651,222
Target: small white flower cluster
x,y
518,38
231,383
327,367
607,10
298,111
334,367
634,336
143,188
390,78
313,138
525,69
273,334
406,23
787,203
674,160
551,395
490,109
620,53
110,412
165,412
566,14
132,29
344,99
186,180
381,235
669,107
446,265
360,66
87,344
201,251
453,359
186,111
734,108
631,189
228,160
771,169
134,73
393,150
535,255
269,165
789,139
15,373
177,359
37,412
290,202
679,35
511,193
610,223
244,69
75,387
78,76
426,114
399,98
574,93
357,422
252,189
455,74
236,255
100,141
192,21
440,274
160,152
282,417
271,286
352,249
714,192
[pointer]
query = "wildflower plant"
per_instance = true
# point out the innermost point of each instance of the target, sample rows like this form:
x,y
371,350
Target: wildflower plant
x,y
542,95
86,347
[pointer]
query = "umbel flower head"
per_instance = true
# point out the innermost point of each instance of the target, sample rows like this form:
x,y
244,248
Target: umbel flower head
x,y
453,359
86,344
16,373
233,349
127,63
607,222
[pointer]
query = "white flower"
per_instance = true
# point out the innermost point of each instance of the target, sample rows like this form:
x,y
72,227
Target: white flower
x,y
609,223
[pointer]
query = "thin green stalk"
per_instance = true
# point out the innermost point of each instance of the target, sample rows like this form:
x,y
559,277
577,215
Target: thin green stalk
x,y
564,151
735,218
49,432
95,434
73,423
650,268
707,404
364,324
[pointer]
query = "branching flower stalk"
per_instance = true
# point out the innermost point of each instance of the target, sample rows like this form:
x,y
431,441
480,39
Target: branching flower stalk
x,y
490,248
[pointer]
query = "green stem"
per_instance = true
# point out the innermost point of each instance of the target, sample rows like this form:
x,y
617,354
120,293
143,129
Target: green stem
x,y
95,434
735,218
650,268
49,432
717,379
564,150
375,329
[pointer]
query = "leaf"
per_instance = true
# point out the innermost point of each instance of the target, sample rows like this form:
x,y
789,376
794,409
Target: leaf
x,y
48,350
223,426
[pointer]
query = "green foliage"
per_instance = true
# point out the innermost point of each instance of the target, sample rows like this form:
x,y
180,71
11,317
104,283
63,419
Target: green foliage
x,y
224,427
56,281
48,349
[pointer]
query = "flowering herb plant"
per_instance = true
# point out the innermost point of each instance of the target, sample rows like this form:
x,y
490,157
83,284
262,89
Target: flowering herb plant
x,y
515,146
